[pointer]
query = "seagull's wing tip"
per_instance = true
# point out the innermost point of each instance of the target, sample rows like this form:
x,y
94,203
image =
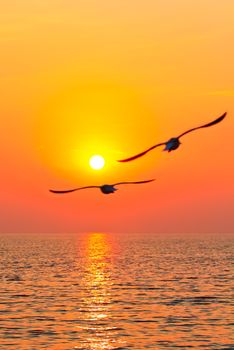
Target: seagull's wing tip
x,y
224,114
126,160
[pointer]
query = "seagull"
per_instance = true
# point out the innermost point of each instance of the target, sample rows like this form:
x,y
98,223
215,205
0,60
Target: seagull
x,y
174,142
106,189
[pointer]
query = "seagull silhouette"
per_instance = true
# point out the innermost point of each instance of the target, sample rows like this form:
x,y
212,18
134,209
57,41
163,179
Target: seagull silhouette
x,y
174,142
106,189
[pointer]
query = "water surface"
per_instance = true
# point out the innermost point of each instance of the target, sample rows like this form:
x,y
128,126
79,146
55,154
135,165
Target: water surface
x,y
99,291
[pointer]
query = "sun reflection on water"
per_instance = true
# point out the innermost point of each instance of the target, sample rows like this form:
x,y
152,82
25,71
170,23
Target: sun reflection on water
x,y
97,298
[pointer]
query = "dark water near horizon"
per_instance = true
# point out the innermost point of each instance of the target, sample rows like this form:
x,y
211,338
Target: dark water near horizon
x,y
99,291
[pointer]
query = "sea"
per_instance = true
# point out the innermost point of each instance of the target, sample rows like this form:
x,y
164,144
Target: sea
x,y
106,291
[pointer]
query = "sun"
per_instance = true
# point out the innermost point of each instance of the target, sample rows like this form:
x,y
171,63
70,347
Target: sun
x,y
97,162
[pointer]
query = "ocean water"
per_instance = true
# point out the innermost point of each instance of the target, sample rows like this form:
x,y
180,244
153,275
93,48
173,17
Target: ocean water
x,y
100,291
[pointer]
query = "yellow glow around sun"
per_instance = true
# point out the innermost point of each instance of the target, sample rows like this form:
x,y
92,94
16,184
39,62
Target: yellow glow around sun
x,y
72,125
97,162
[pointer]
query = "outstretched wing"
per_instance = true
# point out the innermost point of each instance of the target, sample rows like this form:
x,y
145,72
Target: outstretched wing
x,y
133,182
141,154
74,189
216,121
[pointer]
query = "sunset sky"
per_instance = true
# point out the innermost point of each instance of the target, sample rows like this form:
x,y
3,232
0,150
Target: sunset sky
x,y
87,77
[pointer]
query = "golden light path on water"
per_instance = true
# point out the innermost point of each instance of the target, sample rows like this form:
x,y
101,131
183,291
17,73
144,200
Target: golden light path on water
x,y
98,282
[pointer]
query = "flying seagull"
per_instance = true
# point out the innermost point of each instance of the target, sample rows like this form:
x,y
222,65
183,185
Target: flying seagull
x,y
106,189
174,142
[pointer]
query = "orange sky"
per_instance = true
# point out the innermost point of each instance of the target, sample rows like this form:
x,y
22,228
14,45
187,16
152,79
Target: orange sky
x,y
113,78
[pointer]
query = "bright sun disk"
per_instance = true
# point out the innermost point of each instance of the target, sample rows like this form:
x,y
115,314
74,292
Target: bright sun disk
x,y
97,162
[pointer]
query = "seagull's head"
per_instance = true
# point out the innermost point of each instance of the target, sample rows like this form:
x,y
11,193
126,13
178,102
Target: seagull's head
x,y
172,144
107,189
